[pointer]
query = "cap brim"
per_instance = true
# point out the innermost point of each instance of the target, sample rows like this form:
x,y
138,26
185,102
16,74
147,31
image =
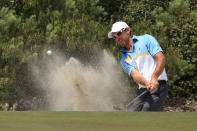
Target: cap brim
x,y
110,35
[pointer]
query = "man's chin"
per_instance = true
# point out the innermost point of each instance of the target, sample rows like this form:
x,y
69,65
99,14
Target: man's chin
x,y
127,46
123,46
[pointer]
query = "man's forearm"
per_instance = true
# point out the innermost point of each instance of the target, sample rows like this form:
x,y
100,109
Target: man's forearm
x,y
160,64
138,78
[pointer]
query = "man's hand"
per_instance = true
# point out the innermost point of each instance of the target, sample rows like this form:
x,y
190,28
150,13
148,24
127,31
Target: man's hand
x,y
153,83
148,85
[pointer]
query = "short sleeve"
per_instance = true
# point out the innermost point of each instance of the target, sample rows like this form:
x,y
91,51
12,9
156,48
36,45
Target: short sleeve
x,y
152,44
127,67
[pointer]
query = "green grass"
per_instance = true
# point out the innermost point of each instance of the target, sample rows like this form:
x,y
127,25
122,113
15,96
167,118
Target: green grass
x,y
97,121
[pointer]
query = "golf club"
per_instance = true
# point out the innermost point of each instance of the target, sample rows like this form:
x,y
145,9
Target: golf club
x,y
136,102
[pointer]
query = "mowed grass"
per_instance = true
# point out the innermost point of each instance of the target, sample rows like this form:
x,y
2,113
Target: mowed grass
x,y
97,121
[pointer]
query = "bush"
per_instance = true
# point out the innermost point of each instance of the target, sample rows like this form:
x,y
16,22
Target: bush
x,y
174,26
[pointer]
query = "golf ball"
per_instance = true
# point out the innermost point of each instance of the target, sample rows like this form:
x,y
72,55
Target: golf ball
x,y
49,52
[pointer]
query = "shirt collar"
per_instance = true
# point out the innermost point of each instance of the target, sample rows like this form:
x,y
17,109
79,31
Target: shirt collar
x,y
124,50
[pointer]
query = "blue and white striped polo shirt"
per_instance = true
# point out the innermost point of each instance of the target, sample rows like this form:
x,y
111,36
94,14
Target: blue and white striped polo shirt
x,y
141,57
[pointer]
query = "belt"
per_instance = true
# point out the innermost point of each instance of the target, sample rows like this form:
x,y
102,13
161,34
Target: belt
x,y
161,82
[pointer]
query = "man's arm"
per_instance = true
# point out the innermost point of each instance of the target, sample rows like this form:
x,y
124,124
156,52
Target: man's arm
x,y
160,58
138,78
156,51
161,61
134,73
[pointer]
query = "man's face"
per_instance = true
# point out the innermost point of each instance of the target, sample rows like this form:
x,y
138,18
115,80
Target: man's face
x,y
122,37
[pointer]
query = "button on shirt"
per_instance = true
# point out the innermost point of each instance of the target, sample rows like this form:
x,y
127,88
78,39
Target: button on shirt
x,y
141,57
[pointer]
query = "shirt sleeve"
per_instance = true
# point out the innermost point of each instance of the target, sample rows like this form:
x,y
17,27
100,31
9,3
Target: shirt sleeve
x,y
152,45
127,67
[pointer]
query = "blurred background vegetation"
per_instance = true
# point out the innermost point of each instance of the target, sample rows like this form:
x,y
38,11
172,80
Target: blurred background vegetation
x,y
28,28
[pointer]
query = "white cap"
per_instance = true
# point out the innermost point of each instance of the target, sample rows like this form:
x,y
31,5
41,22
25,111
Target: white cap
x,y
117,27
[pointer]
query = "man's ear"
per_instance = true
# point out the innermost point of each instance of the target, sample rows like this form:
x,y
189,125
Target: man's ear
x,y
128,30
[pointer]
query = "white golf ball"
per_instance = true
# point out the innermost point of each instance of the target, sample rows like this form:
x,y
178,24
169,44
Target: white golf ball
x,y
49,52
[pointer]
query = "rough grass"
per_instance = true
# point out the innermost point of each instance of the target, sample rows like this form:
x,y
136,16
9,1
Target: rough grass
x,y
97,121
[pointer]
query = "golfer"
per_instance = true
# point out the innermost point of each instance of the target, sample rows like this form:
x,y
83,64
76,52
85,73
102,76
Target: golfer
x,y
143,60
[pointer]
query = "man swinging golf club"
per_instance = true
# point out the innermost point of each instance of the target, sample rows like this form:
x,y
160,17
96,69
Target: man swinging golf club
x,y
143,60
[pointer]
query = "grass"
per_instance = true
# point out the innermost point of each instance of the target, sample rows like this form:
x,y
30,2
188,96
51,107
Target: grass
x,y
97,121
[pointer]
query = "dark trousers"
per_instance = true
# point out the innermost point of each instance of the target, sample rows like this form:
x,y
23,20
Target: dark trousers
x,y
151,101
